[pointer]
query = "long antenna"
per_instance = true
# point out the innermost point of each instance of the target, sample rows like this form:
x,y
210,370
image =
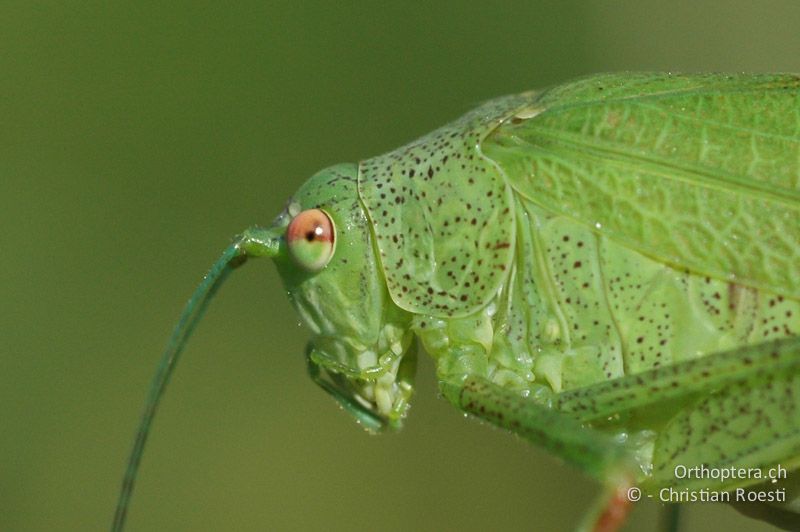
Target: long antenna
x,y
253,243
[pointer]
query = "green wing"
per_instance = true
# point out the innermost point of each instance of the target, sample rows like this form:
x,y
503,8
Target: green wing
x,y
700,171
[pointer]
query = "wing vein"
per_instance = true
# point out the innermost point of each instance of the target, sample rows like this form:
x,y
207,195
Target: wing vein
x,y
674,170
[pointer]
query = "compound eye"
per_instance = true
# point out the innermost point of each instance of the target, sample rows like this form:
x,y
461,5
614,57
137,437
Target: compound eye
x,y
311,238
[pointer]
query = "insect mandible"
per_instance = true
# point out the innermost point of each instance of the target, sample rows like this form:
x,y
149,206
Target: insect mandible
x,y
609,268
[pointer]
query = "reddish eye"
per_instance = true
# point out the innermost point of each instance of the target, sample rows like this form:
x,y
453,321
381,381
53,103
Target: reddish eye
x,y
311,238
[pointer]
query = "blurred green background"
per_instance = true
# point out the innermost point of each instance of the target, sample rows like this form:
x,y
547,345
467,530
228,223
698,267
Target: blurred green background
x,y
137,138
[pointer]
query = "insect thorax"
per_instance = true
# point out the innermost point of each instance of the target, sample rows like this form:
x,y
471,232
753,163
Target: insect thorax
x,y
578,309
501,287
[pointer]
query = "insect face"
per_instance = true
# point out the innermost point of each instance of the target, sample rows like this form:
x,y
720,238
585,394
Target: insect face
x,y
358,352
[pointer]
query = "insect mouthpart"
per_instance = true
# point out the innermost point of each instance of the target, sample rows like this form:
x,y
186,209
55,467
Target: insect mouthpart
x,y
378,393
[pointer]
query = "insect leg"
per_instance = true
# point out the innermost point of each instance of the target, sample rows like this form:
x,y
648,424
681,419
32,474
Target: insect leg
x,y
597,453
738,409
752,425
680,381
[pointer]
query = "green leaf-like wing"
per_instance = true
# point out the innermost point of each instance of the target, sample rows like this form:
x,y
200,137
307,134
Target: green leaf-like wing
x,y
700,171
